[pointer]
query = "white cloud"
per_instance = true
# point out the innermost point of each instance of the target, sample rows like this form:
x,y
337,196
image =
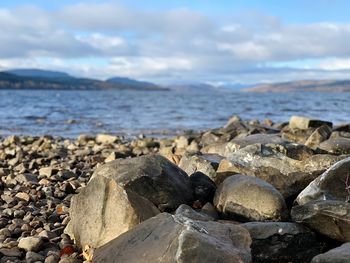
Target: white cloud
x,y
160,45
334,64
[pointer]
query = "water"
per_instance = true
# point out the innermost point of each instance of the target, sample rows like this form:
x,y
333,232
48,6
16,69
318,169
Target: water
x,y
70,113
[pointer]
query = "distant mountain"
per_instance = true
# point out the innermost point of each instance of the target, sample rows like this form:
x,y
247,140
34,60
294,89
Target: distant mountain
x,y
132,82
303,85
236,86
38,73
192,87
60,81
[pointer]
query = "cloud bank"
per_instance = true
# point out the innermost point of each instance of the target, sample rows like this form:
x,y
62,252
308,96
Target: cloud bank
x,y
108,39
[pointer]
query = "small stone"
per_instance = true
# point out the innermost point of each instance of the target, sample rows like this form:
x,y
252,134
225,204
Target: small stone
x,y
30,243
52,259
10,252
5,232
23,196
70,260
47,171
106,138
318,136
32,257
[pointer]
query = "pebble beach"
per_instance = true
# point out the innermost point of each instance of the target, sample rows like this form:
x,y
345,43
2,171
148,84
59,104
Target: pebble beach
x,y
250,191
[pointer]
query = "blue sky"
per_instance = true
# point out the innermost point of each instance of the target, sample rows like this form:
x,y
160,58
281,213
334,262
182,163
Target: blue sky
x,y
168,41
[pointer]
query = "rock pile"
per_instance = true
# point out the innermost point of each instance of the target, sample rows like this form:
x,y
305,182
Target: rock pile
x,y
248,192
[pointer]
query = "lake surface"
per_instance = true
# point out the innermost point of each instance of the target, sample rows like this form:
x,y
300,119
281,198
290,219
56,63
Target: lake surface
x,y
70,113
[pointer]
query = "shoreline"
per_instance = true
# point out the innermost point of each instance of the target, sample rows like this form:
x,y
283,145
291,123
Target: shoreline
x,y
41,175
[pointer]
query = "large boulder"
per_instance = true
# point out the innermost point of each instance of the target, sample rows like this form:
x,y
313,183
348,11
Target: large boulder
x,y
334,184
178,238
282,242
303,123
337,255
289,171
249,198
330,218
338,145
123,193
151,176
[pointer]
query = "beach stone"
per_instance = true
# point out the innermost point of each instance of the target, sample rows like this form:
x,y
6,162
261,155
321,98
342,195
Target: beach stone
x,y
188,212
52,259
338,145
177,238
70,260
334,184
337,255
215,148
26,178
248,198
10,252
33,257
232,121
123,193
318,136
282,242
203,187
339,134
330,218
205,163
239,143
23,196
106,138
103,210
152,177
31,243
12,139
48,171
270,163
303,123
210,210
296,135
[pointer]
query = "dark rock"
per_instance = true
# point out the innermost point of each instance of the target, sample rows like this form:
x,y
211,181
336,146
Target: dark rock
x,y
203,187
330,218
282,242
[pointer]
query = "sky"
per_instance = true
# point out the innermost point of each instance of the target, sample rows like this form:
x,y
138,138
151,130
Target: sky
x,y
217,42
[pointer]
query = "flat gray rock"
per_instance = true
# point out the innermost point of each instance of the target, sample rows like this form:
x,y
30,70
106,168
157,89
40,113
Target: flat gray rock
x,y
178,238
